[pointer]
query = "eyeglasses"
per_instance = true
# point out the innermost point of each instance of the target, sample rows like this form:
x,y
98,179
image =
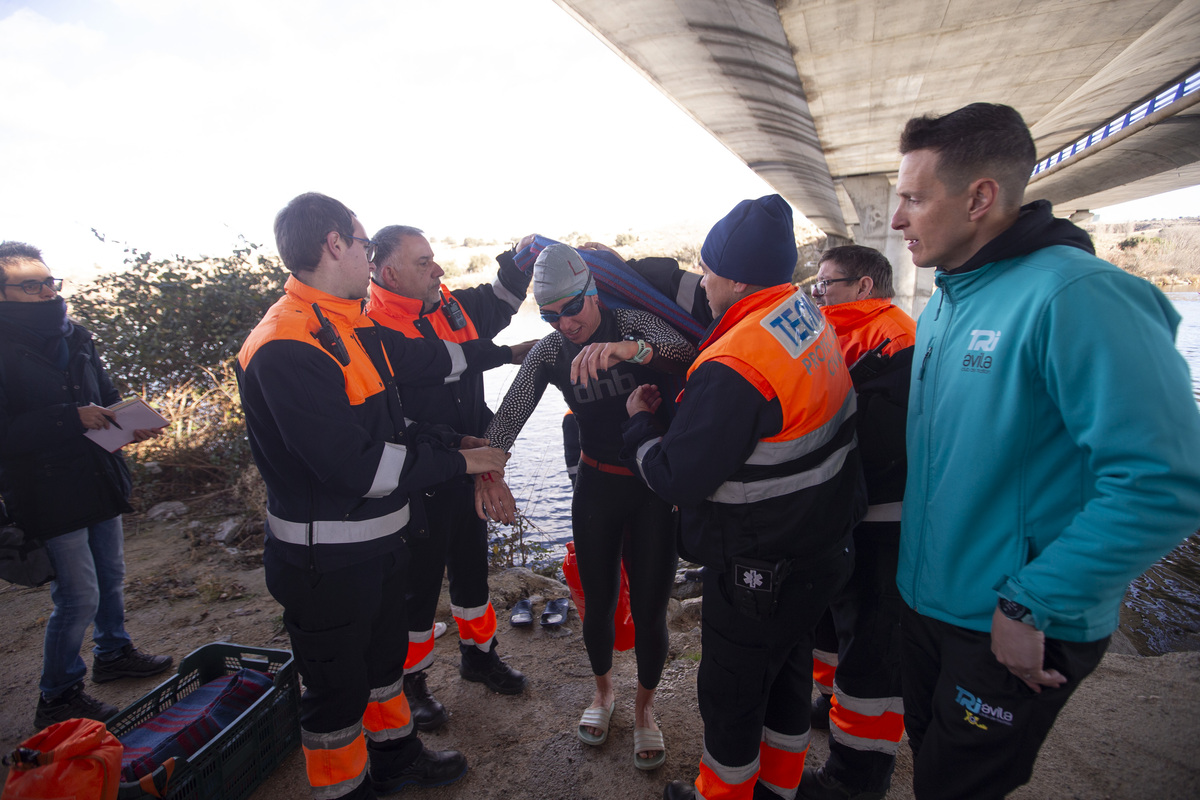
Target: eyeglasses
x,y
35,287
820,287
571,309
368,245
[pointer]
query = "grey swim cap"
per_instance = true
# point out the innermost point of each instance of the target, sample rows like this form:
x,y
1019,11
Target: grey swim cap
x,y
559,272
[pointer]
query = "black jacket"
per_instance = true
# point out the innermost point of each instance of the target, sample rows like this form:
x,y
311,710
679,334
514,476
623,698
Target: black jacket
x,y
55,480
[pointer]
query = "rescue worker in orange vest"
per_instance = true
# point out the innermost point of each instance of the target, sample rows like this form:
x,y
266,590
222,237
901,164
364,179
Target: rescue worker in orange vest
x,y
763,462
407,295
859,636
317,380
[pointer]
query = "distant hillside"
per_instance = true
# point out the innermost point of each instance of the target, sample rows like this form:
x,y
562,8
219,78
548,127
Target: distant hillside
x,y
1164,252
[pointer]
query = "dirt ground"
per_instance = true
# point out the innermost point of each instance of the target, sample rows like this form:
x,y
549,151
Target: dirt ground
x,y
1130,732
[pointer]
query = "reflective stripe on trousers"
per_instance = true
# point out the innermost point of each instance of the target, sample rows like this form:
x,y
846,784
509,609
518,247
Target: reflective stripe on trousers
x,y
476,626
782,759
873,724
336,762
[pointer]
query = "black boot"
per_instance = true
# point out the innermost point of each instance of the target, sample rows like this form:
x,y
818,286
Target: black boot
x,y
815,784
678,790
427,713
487,668
431,768
818,720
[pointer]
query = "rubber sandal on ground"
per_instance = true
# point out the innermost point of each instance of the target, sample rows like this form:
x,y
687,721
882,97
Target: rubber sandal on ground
x,y
439,628
595,718
522,614
646,739
556,612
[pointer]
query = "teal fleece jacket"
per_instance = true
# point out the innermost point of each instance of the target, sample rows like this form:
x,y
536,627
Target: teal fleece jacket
x,y
1053,439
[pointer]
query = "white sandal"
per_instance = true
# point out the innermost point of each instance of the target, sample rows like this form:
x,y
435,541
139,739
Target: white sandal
x,y
594,717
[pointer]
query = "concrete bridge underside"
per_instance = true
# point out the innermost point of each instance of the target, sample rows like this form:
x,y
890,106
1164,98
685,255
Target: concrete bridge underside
x,y
812,94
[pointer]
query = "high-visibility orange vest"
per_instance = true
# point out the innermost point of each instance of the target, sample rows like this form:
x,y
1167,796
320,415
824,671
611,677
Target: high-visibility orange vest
x,y
399,313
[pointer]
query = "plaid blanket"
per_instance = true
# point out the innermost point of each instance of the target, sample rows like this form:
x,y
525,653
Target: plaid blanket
x,y
191,723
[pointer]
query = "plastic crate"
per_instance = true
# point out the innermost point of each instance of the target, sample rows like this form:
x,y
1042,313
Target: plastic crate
x,y
241,756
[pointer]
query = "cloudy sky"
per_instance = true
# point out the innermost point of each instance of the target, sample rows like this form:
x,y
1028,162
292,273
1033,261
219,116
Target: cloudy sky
x,y
179,125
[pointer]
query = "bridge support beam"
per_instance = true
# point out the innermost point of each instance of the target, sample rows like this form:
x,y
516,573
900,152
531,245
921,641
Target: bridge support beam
x,y
874,202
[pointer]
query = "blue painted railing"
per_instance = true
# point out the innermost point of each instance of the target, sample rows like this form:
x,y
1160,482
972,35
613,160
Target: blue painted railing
x,y
1160,100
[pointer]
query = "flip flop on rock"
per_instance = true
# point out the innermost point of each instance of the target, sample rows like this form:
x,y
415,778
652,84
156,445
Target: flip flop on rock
x,y
522,613
594,717
556,612
645,740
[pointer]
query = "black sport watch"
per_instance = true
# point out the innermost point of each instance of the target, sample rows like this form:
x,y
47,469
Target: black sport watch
x,y
1015,611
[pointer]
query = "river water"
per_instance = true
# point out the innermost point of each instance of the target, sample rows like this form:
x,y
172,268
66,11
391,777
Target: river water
x,y
1163,606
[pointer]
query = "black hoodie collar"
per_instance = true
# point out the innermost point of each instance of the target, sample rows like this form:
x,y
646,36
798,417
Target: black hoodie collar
x,y
1036,228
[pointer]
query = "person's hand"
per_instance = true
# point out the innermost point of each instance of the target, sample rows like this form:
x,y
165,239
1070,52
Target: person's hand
x,y
519,351
485,459
1021,649
525,242
644,398
95,418
600,246
142,434
469,442
599,356
493,499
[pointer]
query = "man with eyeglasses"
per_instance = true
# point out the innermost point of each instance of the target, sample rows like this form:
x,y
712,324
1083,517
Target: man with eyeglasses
x,y
62,488
318,383
856,653
407,295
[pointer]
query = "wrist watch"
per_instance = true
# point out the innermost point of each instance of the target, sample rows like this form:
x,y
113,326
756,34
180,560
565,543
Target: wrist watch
x,y
643,352
1015,611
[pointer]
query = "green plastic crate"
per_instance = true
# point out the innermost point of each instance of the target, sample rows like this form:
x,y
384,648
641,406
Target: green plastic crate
x,y
241,756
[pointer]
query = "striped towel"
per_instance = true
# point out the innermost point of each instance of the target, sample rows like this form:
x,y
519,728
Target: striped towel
x,y
191,723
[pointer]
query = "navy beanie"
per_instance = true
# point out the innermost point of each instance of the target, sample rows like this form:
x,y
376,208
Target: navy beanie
x,y
755,243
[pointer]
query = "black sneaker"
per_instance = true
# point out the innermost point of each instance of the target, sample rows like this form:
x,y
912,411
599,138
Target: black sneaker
x,y
132,663
678,790
487,668
431,768
818,720
74,703
815,784
427,713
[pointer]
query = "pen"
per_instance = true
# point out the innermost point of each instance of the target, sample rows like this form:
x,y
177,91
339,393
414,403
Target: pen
x,y
116,424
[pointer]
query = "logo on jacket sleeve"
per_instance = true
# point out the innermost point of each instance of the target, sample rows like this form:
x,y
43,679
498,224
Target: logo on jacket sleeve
x,y
977,357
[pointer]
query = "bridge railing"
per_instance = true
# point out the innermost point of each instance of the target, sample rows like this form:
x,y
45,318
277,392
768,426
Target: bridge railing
x,y
1161,100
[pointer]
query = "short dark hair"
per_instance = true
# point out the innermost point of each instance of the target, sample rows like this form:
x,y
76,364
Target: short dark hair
x,y
857,261
12,252
389,239
303,224
977,141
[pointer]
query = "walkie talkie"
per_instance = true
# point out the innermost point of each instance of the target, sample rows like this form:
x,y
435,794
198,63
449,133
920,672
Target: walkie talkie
x,y
330,339
870,364
454,313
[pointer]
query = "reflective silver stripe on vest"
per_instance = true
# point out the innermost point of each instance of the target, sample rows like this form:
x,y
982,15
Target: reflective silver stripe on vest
x,y
641,453
387,474
685,295
738,492
780,452
509,299
884,512
337,531
458,361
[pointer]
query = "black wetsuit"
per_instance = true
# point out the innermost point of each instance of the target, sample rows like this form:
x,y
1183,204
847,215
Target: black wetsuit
x,y
614,516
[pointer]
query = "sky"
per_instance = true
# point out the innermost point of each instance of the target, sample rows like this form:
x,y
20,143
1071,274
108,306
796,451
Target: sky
x,y
181,126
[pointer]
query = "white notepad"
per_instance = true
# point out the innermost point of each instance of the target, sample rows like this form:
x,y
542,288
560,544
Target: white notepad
x,y
132,414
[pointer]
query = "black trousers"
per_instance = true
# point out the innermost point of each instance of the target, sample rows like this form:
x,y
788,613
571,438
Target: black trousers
x,y
456,545
863,627
349,635
974,727
758,672
616,518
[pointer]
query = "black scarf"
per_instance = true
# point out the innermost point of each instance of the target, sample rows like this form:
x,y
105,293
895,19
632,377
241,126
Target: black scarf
x,y
45,322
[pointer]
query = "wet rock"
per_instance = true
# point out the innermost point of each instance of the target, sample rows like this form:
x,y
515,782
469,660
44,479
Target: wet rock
x,y
687,584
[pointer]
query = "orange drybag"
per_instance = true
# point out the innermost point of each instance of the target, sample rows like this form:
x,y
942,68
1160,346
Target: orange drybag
x,y
78,758
622,620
